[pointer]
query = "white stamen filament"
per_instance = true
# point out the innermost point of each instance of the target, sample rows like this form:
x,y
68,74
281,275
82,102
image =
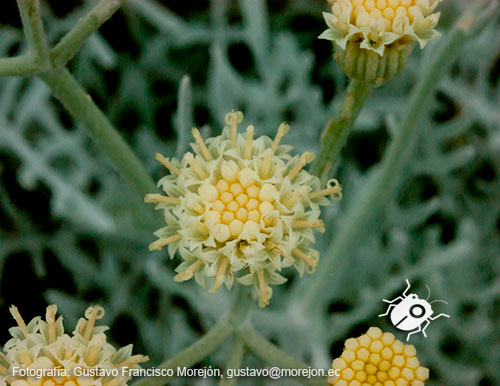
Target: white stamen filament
x,y
249,143
201,144
263,287
92,314
219,278
166,162
296,197
160,199
305,158
195,165
51,321
306,258
282,130
160,243
188,273
18,318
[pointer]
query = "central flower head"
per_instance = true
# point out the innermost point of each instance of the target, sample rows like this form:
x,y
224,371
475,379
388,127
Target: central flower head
x,y
241,205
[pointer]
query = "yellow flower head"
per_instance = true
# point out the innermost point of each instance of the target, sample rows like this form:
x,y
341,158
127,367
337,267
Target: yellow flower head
x,y
43,344
243,205
377,358
367,30
379,23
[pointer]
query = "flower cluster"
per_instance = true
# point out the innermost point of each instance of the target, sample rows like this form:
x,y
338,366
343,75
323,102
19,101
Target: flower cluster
x,y
377,358
367,30
241,204
43,344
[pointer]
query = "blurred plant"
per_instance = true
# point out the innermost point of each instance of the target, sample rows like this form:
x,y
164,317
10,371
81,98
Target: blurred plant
x,y
444,216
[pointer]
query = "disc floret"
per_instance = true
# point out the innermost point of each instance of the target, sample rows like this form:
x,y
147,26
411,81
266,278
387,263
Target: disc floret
x,y
378,358
241,206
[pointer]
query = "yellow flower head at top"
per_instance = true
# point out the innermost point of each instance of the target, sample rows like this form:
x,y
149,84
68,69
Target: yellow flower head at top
x,y
42,345
242,205
377,358
382,27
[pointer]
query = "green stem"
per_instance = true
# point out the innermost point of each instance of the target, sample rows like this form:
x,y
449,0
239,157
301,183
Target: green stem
x,y
86,26
236,355
337,130
33,30
74,98
399,153
19,66
203,347
273,355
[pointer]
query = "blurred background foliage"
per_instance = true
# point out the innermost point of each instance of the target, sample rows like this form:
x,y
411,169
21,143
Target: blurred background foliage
x,y
73,233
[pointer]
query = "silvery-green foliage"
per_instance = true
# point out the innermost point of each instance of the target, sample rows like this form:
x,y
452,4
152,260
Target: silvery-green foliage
x,y
441,229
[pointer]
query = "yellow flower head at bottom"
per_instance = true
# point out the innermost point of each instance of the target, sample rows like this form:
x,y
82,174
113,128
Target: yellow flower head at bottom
x,y
42,346
241,208
378,359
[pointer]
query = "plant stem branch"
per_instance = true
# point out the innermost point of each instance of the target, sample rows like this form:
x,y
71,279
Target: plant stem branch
x,y
235,357
337,130
86,26
273,355
33,30
80,105
19,66
397,156
203,347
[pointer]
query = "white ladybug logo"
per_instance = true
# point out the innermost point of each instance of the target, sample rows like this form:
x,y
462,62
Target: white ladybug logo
x,y
410,313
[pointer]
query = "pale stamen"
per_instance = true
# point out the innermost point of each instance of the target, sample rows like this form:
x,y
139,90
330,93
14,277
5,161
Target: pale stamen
x,y
334,190
94,349
133,360
188,273
92,314
306,258
266,164
219,278
195,165
160,243
50,316
201,144
264,293
160,199
296,197
166,162
19,320
282,130
249,143
308,224
233,119
305,158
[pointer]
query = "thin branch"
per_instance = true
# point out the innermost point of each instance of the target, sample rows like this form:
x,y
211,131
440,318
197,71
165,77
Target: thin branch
x,y
19,66
337,130
33,30
81,106
86,26
235,358
274,356
210,341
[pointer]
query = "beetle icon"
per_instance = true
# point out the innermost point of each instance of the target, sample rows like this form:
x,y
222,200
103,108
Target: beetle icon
x,y
410,313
